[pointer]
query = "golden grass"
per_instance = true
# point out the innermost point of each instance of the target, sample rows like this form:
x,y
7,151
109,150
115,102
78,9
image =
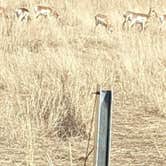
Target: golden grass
x,y
48,72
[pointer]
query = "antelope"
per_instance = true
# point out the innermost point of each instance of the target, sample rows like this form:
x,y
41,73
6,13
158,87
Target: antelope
x,y
45,11
103,20
22,14
138,18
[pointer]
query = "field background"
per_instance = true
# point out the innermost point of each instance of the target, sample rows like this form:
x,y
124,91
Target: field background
x,y
48,71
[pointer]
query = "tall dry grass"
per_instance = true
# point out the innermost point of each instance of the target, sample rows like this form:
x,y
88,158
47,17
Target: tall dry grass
x,y
48,72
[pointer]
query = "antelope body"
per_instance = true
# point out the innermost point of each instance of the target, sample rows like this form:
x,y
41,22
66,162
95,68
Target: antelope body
x,y
22,14
45,11
137,18
103,20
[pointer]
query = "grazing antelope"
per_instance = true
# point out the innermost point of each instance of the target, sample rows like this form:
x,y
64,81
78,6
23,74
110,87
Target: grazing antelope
x,y
138,18
23,14
103,20
45,11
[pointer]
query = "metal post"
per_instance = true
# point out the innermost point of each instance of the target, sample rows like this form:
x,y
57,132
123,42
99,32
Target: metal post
x,y
103,134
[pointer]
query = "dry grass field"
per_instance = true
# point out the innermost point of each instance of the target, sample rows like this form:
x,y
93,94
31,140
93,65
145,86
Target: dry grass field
x,y
48,71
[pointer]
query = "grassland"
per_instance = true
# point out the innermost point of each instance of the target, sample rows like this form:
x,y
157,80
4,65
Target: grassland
x,y
48,72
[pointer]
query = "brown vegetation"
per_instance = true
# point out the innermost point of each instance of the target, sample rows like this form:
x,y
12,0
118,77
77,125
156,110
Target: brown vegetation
x,y
48,73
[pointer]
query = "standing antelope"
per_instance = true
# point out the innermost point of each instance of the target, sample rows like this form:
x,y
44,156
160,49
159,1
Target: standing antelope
x,y
45,11
138,18
103,20
23,14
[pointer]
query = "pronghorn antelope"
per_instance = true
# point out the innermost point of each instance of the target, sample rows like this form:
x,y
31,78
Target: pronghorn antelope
x,y
45,11
138,18
103,20
23,14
